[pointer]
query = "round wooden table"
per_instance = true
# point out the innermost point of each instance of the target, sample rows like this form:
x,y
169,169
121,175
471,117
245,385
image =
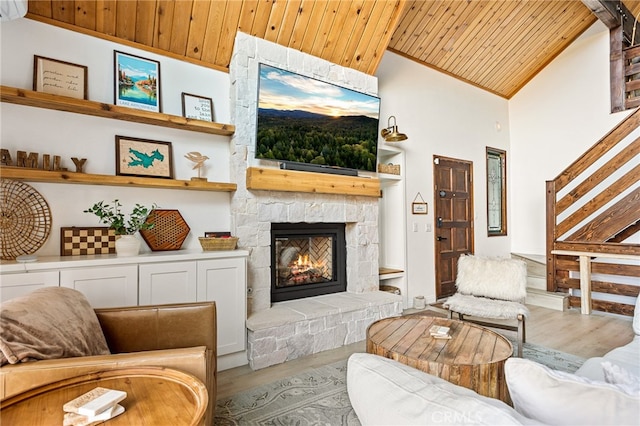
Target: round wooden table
x,y
474,357
155,396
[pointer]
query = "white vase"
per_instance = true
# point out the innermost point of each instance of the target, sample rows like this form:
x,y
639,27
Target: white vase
x,y
127,245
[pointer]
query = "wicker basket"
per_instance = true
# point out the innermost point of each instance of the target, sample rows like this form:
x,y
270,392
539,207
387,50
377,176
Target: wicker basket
x,y
392,169
390,289
211,243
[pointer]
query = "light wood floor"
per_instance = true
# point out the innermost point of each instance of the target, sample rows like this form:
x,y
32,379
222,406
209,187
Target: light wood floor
x,y
571,332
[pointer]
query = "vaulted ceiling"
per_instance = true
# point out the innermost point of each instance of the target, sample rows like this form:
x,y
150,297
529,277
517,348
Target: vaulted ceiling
x,y
496,45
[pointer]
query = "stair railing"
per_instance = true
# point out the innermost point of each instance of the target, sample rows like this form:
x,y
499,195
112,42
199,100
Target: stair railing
x,y
570,250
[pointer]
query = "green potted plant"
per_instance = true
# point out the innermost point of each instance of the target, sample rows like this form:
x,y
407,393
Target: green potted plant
x,y
125,227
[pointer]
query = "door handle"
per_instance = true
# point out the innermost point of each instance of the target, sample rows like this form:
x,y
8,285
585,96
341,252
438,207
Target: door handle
x,y
441,238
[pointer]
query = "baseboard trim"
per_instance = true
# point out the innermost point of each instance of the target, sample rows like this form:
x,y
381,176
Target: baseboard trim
x,y
546,299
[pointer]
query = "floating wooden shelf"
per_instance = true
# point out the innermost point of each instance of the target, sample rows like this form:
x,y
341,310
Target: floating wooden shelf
x,y
36,175
99,109
386,271
321,183
390,273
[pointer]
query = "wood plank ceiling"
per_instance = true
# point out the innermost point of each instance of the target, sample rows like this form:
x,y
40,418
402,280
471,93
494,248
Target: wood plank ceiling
x,y
496,45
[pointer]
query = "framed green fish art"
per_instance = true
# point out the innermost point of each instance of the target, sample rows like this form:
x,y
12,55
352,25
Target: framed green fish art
x,y
143,157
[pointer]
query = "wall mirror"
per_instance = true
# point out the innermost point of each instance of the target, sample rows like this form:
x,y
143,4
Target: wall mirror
x,y
496,192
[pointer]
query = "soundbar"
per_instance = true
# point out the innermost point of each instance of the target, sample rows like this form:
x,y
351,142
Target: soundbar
x,y
318,168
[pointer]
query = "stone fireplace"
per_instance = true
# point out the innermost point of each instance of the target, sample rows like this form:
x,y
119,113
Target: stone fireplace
x,y
279,331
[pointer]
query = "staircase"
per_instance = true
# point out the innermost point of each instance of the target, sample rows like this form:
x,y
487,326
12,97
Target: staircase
x,y
537,294
593,224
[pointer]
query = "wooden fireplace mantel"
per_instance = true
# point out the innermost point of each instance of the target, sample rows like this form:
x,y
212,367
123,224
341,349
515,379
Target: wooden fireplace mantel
x,y
295,181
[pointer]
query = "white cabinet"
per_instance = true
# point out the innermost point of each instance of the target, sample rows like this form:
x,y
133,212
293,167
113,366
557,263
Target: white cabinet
x,y
392,222
171,282
150,279
223,281
18,284
106,286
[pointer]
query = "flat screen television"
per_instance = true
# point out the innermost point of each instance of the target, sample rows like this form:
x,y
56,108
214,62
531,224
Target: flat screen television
x,y
302,120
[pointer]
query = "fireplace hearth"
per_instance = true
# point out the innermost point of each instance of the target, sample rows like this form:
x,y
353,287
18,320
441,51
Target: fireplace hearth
x,y
307,259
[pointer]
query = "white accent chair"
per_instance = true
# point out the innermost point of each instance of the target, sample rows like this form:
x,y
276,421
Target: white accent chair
x,y
491,288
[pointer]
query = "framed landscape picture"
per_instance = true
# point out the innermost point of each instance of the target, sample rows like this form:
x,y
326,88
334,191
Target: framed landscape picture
x,y
137,82
143,157
59,77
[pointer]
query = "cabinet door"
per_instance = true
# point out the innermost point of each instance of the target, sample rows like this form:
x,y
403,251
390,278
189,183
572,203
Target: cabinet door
x,y
173,282
104,287
14,285
224,281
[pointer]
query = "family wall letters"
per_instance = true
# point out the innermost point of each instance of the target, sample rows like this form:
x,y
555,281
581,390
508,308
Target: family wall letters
x,y
31,161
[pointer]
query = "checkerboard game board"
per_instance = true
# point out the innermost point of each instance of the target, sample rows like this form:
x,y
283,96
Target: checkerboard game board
x,y
96,240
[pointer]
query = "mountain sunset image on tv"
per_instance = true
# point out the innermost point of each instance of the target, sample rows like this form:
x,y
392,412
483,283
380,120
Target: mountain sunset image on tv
x,y
304,120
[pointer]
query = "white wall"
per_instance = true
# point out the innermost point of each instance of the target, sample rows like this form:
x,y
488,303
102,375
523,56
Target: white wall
x,y
555,118
73,135
442,116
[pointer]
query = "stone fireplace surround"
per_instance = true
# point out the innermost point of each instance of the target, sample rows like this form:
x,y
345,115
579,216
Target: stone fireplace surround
x,y
288,330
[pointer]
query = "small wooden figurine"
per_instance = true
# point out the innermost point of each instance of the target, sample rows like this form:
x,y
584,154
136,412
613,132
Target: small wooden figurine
x,y
199,160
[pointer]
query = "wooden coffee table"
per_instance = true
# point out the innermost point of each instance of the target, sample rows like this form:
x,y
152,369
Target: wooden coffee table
x,y
155,396
474,357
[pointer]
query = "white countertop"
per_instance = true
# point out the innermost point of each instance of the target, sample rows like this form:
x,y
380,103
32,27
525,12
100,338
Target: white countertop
x,y
57,262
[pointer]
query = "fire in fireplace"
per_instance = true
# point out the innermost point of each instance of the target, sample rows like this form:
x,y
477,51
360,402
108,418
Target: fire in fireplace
x,y
307,259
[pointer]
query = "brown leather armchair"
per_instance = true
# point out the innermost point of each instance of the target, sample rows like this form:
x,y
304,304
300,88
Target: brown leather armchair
x,y
178,336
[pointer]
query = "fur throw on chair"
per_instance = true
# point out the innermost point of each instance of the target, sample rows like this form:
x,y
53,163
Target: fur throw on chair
x,y
492,277
485,308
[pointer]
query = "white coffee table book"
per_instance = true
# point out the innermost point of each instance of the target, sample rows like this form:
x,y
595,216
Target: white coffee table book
x,y
97,405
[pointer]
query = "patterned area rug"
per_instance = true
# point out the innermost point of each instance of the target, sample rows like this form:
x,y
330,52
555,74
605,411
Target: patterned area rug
x,y
319,396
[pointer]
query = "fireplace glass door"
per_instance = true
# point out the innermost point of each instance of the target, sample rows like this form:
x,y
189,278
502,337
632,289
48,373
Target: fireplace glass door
x,y
306,260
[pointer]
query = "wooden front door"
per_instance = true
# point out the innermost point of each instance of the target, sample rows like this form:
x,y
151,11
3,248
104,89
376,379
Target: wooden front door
x,y
453,212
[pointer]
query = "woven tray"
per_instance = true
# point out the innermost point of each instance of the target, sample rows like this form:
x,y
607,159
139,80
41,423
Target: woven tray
x,y
211,243
25,219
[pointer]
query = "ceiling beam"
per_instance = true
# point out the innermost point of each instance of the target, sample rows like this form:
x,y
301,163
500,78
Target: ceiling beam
x,y
614,13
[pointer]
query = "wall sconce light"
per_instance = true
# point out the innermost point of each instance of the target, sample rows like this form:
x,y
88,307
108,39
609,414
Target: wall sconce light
x,y
391,134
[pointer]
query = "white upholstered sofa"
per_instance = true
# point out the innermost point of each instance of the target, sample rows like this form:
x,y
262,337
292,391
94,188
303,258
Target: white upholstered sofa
x,y
604,391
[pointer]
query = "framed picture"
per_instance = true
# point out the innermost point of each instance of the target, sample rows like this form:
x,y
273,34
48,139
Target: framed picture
x,y
59,77
137,82
143,157
198,107
419,208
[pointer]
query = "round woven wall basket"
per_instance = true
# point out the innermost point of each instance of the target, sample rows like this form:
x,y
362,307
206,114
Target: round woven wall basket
x,y
25,219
